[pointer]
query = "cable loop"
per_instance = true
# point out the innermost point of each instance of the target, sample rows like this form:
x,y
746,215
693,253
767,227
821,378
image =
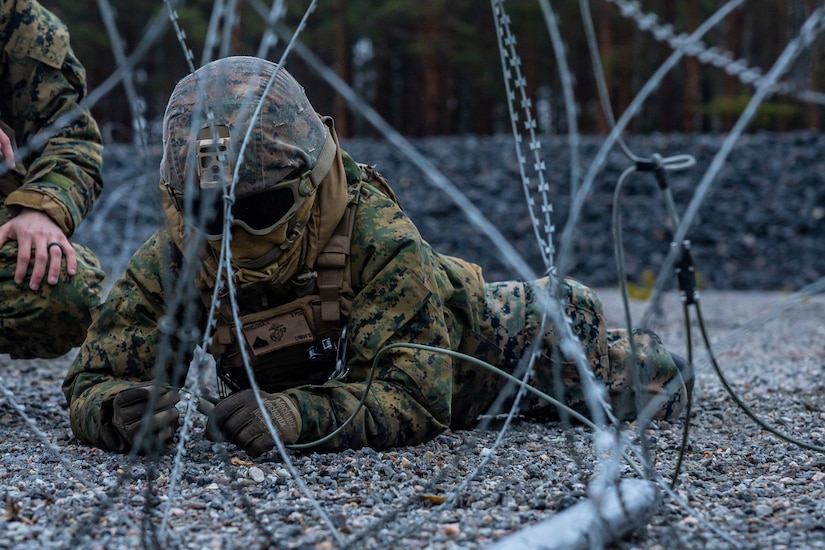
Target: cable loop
x,y
678,162
671,164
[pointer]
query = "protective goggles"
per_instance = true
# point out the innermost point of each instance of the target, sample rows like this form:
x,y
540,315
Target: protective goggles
x,y
262,213
258,214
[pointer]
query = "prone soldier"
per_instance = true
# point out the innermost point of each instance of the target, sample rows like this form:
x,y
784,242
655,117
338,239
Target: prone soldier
x,y
329,271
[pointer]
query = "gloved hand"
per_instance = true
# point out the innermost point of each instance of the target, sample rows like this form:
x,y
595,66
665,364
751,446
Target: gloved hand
x,y
239,420
131,405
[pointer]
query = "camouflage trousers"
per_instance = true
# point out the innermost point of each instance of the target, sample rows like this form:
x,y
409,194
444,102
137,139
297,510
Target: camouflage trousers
x,y
52,320
514,311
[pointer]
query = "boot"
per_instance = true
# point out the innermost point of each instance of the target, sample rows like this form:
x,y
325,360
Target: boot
x,y
686,370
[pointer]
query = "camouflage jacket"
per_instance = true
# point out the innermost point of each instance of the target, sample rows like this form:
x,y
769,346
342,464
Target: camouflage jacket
x,y
404,293
41,85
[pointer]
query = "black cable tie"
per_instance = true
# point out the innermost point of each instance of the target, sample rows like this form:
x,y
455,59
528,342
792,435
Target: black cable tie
x,y
686,274
647,165
653,164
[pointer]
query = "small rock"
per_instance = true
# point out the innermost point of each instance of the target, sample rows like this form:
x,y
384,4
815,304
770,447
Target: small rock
x,y
451,529
256,474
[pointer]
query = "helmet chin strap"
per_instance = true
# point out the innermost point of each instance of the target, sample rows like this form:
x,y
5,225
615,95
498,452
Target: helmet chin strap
x,y
274,253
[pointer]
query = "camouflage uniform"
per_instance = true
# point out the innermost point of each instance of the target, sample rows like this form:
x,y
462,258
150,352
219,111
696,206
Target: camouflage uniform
x,y
404,293
40,81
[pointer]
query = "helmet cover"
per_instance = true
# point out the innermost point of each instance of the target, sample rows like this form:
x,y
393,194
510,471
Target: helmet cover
x,y
214,107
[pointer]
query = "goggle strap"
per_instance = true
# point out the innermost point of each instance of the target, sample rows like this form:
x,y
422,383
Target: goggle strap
x,y
325,160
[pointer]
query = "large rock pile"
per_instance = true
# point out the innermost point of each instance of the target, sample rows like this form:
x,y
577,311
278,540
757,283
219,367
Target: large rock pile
x,y
761,226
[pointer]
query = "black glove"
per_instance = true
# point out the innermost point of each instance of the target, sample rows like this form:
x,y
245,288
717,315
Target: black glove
x,y
131,405
239,420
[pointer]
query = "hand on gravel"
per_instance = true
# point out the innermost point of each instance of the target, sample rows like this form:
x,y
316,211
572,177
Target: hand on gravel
x,y
239,420
132,405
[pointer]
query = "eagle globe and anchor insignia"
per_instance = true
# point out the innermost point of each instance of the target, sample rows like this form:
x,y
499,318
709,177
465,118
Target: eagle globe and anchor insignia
x,y
276,334
267,335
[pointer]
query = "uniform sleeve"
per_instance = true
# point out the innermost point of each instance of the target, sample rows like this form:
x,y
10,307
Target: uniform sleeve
x,y
121,344
40,91
399,300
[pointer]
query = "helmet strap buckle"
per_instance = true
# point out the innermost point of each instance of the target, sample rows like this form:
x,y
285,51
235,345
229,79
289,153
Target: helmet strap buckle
x,y
307,187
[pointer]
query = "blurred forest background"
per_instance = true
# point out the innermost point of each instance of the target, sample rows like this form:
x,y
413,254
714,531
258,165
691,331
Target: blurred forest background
x,y
432,67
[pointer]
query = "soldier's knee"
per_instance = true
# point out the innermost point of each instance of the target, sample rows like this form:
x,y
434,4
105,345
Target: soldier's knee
x,y
49,322
45,330
583,297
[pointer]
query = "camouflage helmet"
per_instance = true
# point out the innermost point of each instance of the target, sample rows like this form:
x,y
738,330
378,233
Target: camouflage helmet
x,y
285,152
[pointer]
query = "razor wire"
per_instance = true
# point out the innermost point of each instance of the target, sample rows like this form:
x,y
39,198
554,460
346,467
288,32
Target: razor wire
x,y
709,55
569,342
571,348
227,269
570,110
609,441
137,107
812,28
542,189
171,328
764,85
515,88
432,175
225,266
614,136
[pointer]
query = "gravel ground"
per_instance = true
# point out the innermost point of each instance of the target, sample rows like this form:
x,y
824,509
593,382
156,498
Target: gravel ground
x,y
739,486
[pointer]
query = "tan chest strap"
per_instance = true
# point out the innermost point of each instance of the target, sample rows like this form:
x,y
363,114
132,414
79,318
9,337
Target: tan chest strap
x,y
332,264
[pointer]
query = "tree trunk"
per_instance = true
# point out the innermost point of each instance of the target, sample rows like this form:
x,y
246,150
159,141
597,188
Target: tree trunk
x,y
343,68
667,105
432,97
812,109
606,51
383,80
734,45
692,76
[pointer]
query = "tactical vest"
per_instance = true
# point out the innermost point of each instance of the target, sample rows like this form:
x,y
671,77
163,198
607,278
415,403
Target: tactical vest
x,y
304,340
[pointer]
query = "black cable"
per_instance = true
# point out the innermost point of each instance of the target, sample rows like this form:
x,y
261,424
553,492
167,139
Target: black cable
x,y
685,275
747,410
689,404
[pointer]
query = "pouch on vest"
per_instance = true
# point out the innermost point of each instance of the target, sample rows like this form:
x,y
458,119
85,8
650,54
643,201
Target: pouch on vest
x,y
288,346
